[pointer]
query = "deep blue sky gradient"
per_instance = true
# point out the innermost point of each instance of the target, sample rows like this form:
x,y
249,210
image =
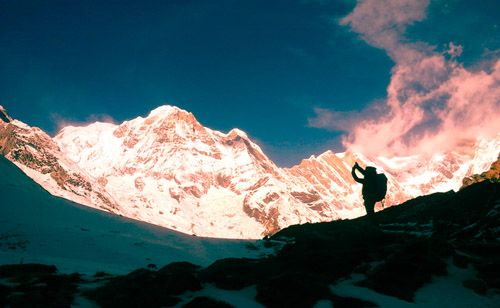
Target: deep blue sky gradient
x,y
261,66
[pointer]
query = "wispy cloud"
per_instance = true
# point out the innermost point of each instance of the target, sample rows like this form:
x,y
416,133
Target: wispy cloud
x,y
432,102
62,122
382,24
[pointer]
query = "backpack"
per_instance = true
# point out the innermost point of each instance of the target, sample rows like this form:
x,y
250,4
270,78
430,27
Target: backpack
x,y
380,187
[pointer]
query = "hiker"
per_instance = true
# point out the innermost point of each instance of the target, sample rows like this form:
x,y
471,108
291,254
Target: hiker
x,y
374,186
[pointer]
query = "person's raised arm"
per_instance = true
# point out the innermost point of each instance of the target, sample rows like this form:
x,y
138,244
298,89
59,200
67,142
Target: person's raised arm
x,y
355,176
361,170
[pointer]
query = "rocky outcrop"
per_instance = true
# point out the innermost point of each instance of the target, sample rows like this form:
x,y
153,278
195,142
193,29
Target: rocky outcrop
x,y
492,175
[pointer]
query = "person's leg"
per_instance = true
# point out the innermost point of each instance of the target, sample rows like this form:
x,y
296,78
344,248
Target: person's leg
x,y
370,211
369,207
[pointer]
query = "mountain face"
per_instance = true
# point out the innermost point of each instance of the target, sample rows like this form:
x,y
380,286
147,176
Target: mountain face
x,y
330,174
170,170
34,152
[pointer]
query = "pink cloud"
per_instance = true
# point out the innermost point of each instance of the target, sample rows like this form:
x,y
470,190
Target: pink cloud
x,y
433,107
454,50
382,24
432,104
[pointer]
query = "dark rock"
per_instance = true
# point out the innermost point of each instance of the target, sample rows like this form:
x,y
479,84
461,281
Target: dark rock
x,y
207,302
4,292
236,274
147,288
349,302
179,268
43,290
403,273
489,271
179,277
292,289
20,270
152,266
101,275
476,285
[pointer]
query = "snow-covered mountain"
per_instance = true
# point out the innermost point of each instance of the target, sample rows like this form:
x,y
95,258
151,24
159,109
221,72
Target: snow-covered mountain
x,y
170,170
330,174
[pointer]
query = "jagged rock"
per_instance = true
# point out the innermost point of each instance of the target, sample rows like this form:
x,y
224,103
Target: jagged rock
x,y
37,285
492,175
148,288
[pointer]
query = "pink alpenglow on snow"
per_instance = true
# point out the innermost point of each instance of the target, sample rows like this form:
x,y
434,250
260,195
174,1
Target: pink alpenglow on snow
x,y
170,170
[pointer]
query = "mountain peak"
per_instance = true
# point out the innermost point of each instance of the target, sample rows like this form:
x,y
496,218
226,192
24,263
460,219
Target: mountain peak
x,y
237,132
165,111
171,114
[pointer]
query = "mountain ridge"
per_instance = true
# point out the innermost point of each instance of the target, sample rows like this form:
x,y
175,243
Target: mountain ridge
x,y
170,170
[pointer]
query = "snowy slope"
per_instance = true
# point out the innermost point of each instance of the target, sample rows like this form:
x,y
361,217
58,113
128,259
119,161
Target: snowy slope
x,y
38,227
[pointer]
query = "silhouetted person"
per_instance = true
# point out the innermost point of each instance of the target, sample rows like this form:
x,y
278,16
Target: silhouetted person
x,y
374,186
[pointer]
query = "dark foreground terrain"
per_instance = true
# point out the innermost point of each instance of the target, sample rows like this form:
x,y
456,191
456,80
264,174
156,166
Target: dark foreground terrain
x,y
398,252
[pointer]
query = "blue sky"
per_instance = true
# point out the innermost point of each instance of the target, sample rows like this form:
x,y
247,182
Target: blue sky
x,y
261,66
